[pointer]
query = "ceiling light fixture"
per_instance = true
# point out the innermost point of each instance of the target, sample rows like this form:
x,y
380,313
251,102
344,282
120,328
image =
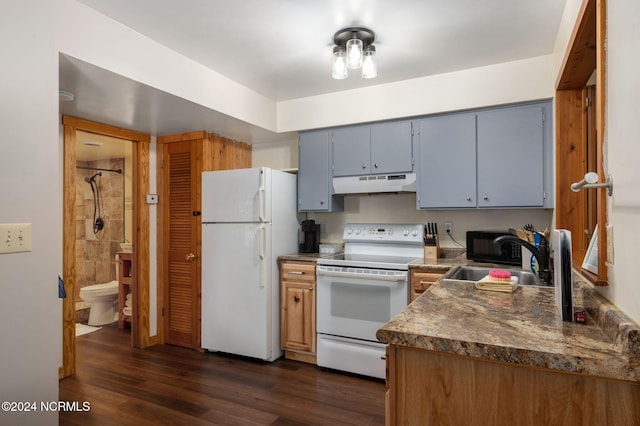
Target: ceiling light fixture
x,y
354,49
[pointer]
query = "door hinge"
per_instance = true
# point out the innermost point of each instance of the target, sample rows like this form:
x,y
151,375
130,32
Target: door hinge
x,y
162,312
161,164
544,117
587,102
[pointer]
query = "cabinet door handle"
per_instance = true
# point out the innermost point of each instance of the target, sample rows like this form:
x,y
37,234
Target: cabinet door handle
x,y
468,198
364,166
310,288
190,257
376,165
486,198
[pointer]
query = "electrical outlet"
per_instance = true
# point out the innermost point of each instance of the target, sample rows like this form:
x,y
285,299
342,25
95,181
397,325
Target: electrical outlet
x,y
15,237
448,227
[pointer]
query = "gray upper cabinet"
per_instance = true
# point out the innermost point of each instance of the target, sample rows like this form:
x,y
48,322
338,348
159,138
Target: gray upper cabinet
x,y
391,147
447,162
352,150
492,158
314,173
511,157
373,149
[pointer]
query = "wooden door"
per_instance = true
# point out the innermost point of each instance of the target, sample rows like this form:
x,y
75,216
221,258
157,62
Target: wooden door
x,y
181,192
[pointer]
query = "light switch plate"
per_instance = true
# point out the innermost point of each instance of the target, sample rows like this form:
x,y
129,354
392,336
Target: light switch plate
x,y
610,244
15,237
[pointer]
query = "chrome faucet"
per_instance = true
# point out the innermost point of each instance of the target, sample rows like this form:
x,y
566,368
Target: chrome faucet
x,y
541,253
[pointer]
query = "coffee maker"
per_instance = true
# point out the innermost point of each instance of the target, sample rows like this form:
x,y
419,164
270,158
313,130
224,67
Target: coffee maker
x,y
310,237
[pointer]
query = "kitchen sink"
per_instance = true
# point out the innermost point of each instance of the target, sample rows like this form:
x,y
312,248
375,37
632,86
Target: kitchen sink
x,y
476,273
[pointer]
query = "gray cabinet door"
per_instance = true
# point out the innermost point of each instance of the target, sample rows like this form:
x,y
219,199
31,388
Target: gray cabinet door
x,y
391,147
510,157
447,162
314,177
351,151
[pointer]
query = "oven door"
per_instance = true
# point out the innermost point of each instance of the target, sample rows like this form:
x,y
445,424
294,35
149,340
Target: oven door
x,y
356,302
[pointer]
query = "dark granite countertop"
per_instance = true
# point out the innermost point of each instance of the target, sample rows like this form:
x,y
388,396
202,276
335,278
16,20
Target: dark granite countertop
x,y
523,328
302,257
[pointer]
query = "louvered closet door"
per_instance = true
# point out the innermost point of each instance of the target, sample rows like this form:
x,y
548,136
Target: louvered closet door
x,y
181,322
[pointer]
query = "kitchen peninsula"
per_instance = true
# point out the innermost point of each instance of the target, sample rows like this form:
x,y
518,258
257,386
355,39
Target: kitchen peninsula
x,y
458,355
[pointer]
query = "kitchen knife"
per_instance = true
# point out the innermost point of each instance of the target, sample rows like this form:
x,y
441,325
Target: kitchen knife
x,y
431,231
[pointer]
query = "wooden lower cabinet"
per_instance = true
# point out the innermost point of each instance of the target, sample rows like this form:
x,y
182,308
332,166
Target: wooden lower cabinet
x,y
421,280
298,310
432,388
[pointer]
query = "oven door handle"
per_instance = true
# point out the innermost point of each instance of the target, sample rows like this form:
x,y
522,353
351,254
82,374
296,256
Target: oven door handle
x,y
356,275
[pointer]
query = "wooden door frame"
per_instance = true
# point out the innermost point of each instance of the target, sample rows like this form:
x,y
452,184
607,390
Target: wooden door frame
x,y
585,52
140,330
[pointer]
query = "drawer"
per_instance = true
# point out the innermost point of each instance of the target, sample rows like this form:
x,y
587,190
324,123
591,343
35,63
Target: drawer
x,y
298,271
421,281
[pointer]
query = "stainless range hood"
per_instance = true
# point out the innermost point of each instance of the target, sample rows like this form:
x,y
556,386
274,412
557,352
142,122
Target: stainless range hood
x,y
370,184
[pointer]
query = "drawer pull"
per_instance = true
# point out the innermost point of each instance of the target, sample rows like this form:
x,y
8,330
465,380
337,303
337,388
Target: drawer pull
x,y
296,272
426,282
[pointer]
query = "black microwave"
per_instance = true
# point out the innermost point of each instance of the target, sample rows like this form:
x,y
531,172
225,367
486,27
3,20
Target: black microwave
x,y
481,248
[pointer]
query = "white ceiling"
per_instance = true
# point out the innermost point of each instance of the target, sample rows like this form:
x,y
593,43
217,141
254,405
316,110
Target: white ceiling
x,y
282,48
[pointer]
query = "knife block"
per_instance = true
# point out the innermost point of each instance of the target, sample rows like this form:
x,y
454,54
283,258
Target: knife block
x,y
431,252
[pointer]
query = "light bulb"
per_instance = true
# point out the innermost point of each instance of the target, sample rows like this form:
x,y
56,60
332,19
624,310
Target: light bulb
x,y
369,67
339,69
354,53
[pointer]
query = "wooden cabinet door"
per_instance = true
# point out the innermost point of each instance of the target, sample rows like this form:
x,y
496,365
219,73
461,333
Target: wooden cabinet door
x,y
511,157
298,330
181,176
447,162
391,147
297,310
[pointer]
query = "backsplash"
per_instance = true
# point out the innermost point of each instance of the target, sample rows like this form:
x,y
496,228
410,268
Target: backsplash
x,y
401,208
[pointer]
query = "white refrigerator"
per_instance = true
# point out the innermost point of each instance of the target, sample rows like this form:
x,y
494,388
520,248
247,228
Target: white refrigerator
x,y
248,219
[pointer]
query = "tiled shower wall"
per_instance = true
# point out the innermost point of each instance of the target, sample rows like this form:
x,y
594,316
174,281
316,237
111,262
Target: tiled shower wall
x,y
95,253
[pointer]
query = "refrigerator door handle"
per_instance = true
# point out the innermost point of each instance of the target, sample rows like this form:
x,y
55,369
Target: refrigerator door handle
x,y
261,253
261,198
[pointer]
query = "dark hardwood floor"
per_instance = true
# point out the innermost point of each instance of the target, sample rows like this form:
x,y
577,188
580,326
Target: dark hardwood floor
x,y
176,386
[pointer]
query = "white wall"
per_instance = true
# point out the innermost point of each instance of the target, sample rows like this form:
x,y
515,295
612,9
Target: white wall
x,y
283,155
525,80
622,151
30,177
92,37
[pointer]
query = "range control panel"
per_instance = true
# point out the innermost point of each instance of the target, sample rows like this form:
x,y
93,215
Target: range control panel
x,y
391,233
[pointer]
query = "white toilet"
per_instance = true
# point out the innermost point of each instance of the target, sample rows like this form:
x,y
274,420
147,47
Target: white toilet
x,y
103,299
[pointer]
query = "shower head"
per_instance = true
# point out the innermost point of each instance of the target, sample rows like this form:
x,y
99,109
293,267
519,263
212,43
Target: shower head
x,y
92,178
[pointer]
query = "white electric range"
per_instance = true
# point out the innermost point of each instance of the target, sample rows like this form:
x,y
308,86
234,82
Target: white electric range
x,y
360,291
